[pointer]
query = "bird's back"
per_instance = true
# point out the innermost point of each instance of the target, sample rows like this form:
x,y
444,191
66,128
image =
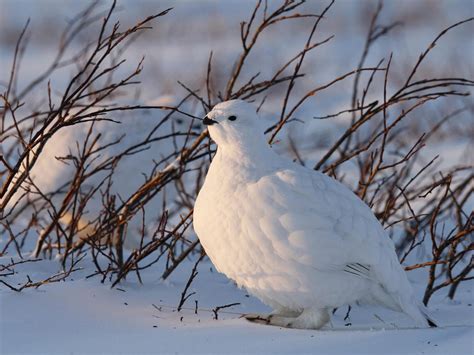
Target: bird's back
x,y
295,238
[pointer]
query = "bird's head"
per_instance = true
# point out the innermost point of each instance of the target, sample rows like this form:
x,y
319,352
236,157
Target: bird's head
x,y
235,122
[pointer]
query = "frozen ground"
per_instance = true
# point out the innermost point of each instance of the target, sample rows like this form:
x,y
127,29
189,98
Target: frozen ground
x,y
83,316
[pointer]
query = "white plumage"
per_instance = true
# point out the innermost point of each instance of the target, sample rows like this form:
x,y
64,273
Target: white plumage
x,y
295,238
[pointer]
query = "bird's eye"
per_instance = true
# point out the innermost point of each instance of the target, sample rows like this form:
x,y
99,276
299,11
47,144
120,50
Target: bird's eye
x,y
232,118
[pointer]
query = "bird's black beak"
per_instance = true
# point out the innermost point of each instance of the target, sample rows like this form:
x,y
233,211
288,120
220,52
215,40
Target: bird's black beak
x,y
208,122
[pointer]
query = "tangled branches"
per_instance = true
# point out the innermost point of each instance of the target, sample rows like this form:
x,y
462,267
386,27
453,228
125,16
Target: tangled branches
x,y
124,228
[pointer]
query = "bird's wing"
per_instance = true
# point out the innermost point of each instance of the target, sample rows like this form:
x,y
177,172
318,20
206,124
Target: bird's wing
x,y
320,222
316,221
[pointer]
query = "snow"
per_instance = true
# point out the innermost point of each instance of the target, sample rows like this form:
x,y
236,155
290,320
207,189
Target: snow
x,y
83,316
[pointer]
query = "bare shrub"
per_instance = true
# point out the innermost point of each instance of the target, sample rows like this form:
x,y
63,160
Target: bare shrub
x,y
427,207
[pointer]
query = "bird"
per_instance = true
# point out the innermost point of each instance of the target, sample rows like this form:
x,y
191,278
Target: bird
x,y
298,240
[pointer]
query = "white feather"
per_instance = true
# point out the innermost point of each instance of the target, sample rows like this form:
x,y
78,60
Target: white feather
x,y
296,238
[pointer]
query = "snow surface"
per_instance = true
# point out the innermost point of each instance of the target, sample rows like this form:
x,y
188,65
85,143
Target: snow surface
x,y
83,316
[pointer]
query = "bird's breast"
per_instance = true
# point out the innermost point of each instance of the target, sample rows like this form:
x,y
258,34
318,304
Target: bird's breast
x,y
227,221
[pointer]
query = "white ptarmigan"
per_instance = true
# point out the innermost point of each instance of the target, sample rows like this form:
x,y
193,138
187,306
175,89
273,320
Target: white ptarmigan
x,y
300,241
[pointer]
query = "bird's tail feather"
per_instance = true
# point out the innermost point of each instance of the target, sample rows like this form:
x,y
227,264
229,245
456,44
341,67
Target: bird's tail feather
x,y
424,311
418,312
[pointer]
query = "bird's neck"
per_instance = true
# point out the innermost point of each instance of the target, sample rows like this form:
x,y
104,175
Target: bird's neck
x,y
248,158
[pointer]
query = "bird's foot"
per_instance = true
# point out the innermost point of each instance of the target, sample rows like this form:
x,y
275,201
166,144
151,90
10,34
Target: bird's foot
x,y
269,319
279,317
309,319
